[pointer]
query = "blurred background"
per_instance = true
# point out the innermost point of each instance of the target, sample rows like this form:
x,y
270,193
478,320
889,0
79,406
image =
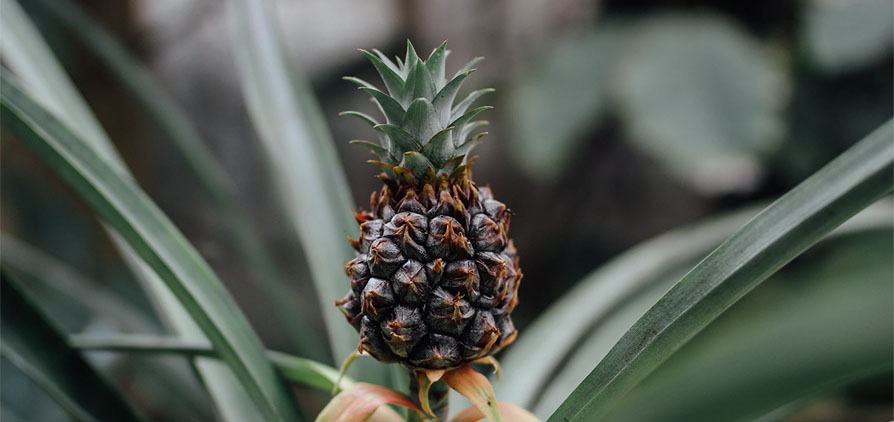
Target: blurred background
x,y
615,121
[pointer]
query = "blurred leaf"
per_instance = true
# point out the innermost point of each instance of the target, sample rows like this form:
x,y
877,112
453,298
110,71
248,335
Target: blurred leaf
x,y
702,98
231,400
126,208
778,234
67,103
171,381
841,35
307,174
541,348
172,121
510,411
811,329
558,98
300,370
9,415
476,388
307,372
616,318
39,350
66,281
26,53
360,401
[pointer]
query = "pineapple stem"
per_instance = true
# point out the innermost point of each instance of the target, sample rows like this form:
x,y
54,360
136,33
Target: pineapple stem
x,y
438,397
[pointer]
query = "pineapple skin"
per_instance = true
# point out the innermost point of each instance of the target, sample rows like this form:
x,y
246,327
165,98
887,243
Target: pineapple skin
x,y
436,276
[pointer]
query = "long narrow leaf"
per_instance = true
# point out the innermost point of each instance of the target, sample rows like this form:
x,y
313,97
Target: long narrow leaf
x,y
306,170
230,398
66,281
781,232
595,343
66,103
39,349
127,209
303,371
168,116
25,52
59,290
540,348
814,327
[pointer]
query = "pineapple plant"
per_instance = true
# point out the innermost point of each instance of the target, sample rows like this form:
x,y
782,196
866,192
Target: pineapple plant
x,y
436,276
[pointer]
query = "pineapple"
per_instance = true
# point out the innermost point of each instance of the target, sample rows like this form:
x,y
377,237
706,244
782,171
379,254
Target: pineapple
x,y
436,277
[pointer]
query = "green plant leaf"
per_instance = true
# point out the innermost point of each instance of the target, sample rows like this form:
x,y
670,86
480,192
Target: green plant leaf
x,y
778,234
703,98
230,396
545,132
818,325
616,318
154,238
38,349
839,36
172,122
29,57
540,349
307,372
306,171
67,282
61,291
304,371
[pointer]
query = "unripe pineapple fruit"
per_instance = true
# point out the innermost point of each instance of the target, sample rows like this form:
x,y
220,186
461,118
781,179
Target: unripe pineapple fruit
x,y
436,277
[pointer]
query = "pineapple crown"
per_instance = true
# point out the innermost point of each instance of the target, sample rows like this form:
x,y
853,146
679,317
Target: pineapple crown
x,y
426,132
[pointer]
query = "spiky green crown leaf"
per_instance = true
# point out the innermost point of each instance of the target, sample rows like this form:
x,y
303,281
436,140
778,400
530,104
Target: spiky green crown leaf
x,y
425,127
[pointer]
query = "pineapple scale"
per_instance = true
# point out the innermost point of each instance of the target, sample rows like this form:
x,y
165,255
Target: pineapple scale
x,y
435,278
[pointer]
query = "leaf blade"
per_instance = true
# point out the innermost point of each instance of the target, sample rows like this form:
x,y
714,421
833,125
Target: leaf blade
x,y
821,323
309,178
164,112
782,231
32,343
127,209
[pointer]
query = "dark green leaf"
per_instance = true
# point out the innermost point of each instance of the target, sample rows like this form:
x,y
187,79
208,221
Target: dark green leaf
x,y
39,350
165,113
303,371
154,238
778,234
820,324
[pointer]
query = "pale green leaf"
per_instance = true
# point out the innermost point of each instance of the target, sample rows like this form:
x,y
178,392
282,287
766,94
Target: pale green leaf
x,y
558,98
305,168
703,98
